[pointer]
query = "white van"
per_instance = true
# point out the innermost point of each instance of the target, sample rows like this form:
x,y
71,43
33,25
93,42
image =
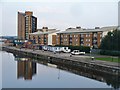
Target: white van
x,y
65,49
45,48
76,52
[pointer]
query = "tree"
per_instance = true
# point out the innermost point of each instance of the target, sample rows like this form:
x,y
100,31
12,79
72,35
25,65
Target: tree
x,y
111,41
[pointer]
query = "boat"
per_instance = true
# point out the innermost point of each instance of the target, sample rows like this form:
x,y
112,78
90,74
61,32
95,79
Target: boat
x,y
52,65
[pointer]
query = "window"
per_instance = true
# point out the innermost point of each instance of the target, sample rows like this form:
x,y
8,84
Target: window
x,y
65,39
70,40
82,44
81,39
87,35
87,40
88,44
70,43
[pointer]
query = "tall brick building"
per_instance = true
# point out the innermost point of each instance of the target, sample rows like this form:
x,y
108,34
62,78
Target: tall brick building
x,y
27,23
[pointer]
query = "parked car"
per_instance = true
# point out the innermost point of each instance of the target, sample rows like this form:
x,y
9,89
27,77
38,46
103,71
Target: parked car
x,y
77,52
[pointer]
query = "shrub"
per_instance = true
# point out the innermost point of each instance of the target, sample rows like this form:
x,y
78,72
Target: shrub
x,y
111,53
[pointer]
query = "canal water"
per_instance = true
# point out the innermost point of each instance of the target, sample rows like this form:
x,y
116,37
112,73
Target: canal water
x,y
24,72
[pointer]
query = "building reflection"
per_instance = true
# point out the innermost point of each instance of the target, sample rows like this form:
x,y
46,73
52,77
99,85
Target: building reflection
x,y
25,68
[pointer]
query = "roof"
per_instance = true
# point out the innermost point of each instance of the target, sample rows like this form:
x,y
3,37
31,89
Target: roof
x,y
81,30
39,32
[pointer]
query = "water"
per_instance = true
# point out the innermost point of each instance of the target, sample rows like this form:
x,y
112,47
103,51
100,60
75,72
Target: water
x,y
21,72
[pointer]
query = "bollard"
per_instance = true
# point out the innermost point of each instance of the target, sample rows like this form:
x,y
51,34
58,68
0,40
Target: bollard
x,y
70,55
92,58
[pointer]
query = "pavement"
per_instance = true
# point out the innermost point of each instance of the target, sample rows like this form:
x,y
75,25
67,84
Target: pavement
x,y
80,58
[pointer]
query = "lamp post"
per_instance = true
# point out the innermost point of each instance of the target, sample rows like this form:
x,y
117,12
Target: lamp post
x,y
118,29
91,52
112,43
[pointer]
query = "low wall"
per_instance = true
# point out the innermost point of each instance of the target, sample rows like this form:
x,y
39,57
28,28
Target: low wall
x,y
77,64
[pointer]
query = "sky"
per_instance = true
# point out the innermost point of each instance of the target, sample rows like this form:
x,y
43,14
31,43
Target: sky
x,y
59,14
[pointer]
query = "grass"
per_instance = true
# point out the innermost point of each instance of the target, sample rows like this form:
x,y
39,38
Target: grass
x,y
109,59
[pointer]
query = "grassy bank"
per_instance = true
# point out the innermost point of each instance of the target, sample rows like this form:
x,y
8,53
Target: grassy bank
x,y
109,59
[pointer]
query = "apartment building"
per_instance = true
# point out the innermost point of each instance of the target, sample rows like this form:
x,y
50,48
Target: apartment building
x,y
44,36
27,23
83,37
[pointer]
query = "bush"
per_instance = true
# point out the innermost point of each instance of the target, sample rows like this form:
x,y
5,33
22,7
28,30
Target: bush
x,y
111,53
80,48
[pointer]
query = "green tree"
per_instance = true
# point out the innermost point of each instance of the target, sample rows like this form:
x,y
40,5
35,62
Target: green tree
x,y
111,41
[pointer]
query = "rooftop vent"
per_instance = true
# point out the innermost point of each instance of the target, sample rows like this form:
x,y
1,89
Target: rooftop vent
x,y
45,28
97,27
70,28
78,27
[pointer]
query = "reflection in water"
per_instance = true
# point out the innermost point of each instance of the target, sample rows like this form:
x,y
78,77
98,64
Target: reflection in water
x,y
110,80
25,68
59,74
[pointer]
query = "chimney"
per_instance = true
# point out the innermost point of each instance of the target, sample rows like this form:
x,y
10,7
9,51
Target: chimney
x,y
45,29
97,27
78,27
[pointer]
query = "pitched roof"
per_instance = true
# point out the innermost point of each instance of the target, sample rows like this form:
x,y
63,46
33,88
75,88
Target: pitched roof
x,y
39,32
81,30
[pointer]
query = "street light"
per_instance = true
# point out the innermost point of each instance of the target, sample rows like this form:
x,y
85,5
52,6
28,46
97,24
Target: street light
x,y
112,43
91,52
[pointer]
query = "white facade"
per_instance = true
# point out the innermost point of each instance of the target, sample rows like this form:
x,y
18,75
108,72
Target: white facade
x,y
50,38
106,32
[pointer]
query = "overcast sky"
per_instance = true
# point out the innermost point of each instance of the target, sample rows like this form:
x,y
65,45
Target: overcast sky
x,y
60,15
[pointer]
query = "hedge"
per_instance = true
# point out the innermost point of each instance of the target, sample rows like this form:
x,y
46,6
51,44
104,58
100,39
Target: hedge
x,y
111,53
